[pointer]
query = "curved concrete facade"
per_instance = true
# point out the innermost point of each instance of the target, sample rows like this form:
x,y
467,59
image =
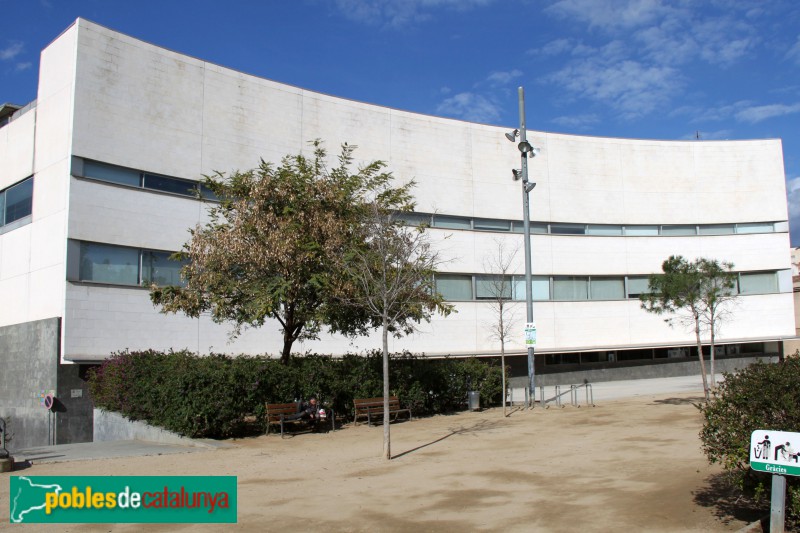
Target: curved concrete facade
x,y
107,97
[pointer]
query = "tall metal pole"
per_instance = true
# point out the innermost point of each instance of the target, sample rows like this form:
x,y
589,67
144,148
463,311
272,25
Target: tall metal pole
x,y
526,224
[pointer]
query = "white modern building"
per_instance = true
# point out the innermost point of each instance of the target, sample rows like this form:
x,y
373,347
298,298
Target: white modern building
x,y
95,179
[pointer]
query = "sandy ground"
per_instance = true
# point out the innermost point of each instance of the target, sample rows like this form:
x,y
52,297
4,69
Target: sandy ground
x,y
626,465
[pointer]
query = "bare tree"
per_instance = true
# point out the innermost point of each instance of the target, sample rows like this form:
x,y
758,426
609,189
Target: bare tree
x,y
497,284
391,277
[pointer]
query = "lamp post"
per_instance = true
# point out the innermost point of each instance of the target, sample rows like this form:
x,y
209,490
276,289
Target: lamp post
x,y
526,151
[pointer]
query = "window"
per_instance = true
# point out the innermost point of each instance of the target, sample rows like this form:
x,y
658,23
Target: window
x,y
158,268
112,173
16,202
414,219
454,287
679,230
109,264
756,227
177,186
492,224
716,229
603,229
568,229
641,231
758,283
607,288
637,285
122,265
134,178
490,287
570,288
539,228
451,222
540,285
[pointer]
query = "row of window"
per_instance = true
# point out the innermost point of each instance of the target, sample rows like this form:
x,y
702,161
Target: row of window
x,y
556,228
16,202
121,265
467,287
146,180
143,180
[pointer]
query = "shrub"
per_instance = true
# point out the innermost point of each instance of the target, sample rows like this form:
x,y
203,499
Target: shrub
x,y
762,396
213,396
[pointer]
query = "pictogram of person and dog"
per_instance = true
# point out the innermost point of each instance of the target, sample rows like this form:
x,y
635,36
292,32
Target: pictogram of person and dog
x,y
787,454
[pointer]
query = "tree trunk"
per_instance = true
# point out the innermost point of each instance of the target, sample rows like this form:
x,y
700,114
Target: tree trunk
x,y
700,356
503,367
387,448
286,353
713,355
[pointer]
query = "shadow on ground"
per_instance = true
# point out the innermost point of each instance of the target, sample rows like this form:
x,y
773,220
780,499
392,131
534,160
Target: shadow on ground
x,y
727,502
694,400
483,425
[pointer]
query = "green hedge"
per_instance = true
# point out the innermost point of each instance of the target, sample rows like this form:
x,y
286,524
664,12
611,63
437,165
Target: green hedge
x,y
762,396
212,396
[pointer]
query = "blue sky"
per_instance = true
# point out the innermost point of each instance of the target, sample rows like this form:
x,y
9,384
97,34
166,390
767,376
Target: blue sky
x,y
620,68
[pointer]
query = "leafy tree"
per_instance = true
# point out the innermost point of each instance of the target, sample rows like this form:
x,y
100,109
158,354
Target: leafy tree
x,y
271,246
391,277
497,283
701,290
761,396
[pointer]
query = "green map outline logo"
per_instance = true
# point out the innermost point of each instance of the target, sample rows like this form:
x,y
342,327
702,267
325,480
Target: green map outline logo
x,y
123,499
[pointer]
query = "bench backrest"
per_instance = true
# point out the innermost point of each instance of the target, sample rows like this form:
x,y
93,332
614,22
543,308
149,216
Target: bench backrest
x,y
275,410
367,404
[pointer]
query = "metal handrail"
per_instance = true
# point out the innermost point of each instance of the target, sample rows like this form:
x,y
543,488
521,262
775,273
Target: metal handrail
x,y
573,395
556,397
589,394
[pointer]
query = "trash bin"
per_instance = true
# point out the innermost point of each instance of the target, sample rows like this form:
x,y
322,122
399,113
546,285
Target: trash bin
x,y
474,400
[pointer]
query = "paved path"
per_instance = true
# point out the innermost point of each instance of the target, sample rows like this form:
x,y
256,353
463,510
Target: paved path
x,y
105,450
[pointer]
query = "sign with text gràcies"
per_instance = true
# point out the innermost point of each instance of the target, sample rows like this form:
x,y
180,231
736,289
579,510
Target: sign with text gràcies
x,y
775,452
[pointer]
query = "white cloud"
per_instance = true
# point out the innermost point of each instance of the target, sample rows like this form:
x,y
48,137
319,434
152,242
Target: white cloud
x,y
503,78
758,113
713,113
576,122
11,51
631,88
794,52
610,15
19,67
400,13
553,48
470,106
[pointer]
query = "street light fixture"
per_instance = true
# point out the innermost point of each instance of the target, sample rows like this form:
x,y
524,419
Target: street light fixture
x,y
526,151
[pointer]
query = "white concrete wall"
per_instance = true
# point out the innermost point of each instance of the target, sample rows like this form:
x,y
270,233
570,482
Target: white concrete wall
x,y
147,108
32,257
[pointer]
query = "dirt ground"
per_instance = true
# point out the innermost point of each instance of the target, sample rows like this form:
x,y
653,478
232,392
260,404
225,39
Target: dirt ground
x,y
626,465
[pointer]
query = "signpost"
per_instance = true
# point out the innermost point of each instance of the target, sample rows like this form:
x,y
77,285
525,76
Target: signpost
x,y
530,334
776,452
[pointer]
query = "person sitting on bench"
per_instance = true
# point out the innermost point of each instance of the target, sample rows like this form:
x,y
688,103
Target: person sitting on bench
x,y
308,410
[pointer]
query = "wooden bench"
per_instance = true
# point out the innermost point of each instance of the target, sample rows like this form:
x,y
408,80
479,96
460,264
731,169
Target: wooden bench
x,y
279,413
372,408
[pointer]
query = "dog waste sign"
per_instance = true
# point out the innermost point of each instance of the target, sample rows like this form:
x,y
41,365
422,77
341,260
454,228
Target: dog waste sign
x,y
775,452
